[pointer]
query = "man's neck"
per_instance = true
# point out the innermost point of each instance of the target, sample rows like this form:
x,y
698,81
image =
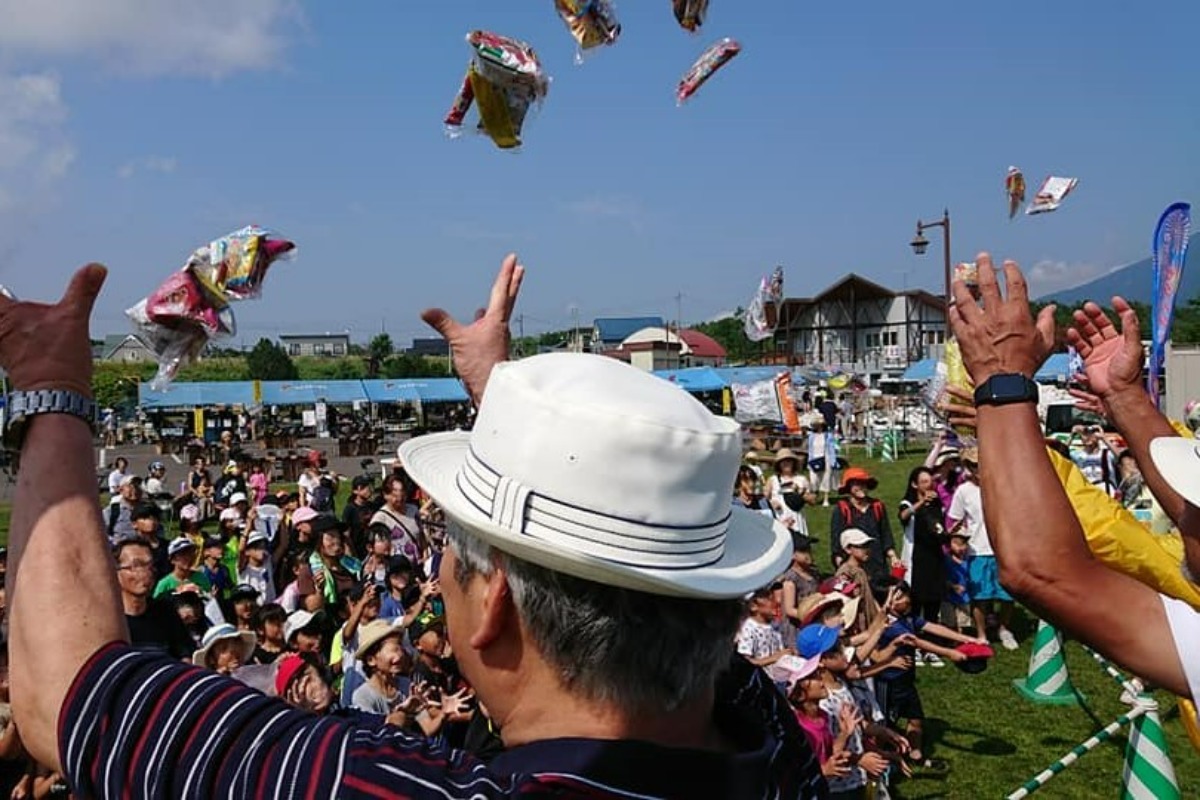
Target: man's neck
x,y
135,605
557,714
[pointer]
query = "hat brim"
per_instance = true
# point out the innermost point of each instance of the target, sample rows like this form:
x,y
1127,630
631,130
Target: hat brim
x,y
1178,460
871,483
370,642
248,640
756,551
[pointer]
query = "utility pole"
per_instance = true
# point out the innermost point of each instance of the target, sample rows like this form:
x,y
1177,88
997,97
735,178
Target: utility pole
x,y
576,344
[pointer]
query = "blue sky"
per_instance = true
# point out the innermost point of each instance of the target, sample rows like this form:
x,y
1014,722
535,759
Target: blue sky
x,y
147,129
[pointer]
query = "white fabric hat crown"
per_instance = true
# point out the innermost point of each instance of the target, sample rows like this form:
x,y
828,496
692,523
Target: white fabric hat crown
x,y
586,465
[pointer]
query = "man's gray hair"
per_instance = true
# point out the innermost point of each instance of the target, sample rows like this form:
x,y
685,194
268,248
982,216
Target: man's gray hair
x,y
637,651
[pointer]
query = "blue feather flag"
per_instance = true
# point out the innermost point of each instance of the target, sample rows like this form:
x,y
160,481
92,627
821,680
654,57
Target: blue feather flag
x,y
1170,254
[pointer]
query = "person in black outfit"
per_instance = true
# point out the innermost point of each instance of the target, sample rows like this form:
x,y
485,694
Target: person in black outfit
x,y
153,623
922,509
357,514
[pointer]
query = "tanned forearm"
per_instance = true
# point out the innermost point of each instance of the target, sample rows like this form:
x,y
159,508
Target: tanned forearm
x,y
1049,566
1140,422
59,551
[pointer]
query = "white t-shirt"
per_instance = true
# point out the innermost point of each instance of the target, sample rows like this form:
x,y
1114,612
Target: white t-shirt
x,y
758,639
154,486
1184,622
967,505
307,483
260,578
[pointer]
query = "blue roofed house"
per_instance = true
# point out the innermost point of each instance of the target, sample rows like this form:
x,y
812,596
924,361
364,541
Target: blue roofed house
x,y
609,332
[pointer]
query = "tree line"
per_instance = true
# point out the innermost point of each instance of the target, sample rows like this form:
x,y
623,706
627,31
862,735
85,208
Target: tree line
x,y
116,384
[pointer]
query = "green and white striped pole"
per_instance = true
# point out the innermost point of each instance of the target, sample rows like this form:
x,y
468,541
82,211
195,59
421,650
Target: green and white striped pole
x,y
1047,680
889,446
1101,736
1148,772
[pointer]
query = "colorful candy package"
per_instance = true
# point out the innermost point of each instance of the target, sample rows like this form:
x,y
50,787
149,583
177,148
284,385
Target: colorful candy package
x,y
191,307
690,13
593,23
236,264
504,79
711,60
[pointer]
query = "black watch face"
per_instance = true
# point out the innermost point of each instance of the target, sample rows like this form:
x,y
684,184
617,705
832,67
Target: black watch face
x,y
1004,387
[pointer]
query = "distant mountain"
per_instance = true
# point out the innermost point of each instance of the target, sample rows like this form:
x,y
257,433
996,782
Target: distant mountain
x,y
1134,282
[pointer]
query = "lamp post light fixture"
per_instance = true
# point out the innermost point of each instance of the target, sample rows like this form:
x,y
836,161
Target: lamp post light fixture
x,y
920,244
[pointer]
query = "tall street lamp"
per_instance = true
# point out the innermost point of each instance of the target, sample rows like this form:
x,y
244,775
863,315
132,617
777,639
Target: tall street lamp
x,y
920,244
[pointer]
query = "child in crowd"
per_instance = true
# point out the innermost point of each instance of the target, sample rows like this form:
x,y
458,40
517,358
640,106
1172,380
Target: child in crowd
x,y
896,687
805,696
956,610
760,642
254,564
846,716
269,620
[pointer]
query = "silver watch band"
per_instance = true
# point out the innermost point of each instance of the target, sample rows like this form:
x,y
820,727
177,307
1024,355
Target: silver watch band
x,y
24,406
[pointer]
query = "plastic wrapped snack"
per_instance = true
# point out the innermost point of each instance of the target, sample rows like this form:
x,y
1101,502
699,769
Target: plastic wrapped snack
x,y
504,79
1050,194
177,320
191,307
236,264
593,23
1014,188
711,60
690,13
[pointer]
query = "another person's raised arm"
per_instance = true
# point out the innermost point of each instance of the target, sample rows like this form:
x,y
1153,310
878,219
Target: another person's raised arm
x,y
1048,566
64,601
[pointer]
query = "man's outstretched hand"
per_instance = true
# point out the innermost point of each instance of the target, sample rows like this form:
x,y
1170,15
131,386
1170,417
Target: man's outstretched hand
x,y
484,343
1112,358
48,346
1001,337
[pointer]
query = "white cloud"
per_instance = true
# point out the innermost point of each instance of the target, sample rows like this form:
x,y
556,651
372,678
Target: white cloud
x,y
161,164
1048,276
212,38
34,150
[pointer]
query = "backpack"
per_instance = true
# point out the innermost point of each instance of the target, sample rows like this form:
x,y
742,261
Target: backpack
x,y
321,499
847,512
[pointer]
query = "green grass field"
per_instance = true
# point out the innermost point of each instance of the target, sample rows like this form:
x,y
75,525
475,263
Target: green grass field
x,y
992,738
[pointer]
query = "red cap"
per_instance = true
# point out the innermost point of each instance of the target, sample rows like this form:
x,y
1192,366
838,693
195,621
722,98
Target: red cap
x,y
289,667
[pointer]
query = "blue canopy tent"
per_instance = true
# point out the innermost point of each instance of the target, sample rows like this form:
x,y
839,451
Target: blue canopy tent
x,y
307,393
423,390
744,375
920,371
693,379
197,395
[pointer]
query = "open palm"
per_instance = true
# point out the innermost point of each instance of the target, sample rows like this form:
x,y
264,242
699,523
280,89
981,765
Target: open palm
x,y
1112,359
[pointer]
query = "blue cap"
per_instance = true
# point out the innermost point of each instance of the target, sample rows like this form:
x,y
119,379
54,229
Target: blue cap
x,y
816,640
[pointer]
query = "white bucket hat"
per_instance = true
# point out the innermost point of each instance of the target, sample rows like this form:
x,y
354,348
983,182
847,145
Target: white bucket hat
x,y
591,467
218,633
1178,460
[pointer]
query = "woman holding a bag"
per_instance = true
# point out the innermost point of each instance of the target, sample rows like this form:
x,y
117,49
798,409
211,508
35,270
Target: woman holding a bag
x,y
788,492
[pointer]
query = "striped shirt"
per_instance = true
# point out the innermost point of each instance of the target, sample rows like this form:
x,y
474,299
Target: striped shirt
x,y
140,725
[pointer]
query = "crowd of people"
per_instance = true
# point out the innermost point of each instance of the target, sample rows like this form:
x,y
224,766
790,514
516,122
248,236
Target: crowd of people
x,y
532,620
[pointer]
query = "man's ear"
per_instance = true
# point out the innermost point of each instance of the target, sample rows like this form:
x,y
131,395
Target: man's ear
x,y
496,608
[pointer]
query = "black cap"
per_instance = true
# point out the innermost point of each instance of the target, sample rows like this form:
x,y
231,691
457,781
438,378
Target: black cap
x,y
324,523
362,482
242,591
146,511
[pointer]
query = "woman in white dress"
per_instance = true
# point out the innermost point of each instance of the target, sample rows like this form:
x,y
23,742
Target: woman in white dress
x,y
788,492
822,460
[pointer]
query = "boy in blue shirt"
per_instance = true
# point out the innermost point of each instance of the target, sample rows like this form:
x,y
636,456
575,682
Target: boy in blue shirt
x,y
896,688
957,611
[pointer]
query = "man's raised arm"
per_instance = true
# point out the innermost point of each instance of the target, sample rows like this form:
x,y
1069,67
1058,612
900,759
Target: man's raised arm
x,y
1048,565
62,592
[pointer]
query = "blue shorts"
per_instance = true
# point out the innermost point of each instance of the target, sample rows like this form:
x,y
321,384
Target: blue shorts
x,y
983,579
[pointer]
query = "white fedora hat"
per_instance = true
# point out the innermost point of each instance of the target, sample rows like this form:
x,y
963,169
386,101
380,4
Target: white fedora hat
x,y
591,467
1178,460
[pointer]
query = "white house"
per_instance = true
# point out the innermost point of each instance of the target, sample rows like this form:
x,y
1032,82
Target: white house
x,y
315,344
861,327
